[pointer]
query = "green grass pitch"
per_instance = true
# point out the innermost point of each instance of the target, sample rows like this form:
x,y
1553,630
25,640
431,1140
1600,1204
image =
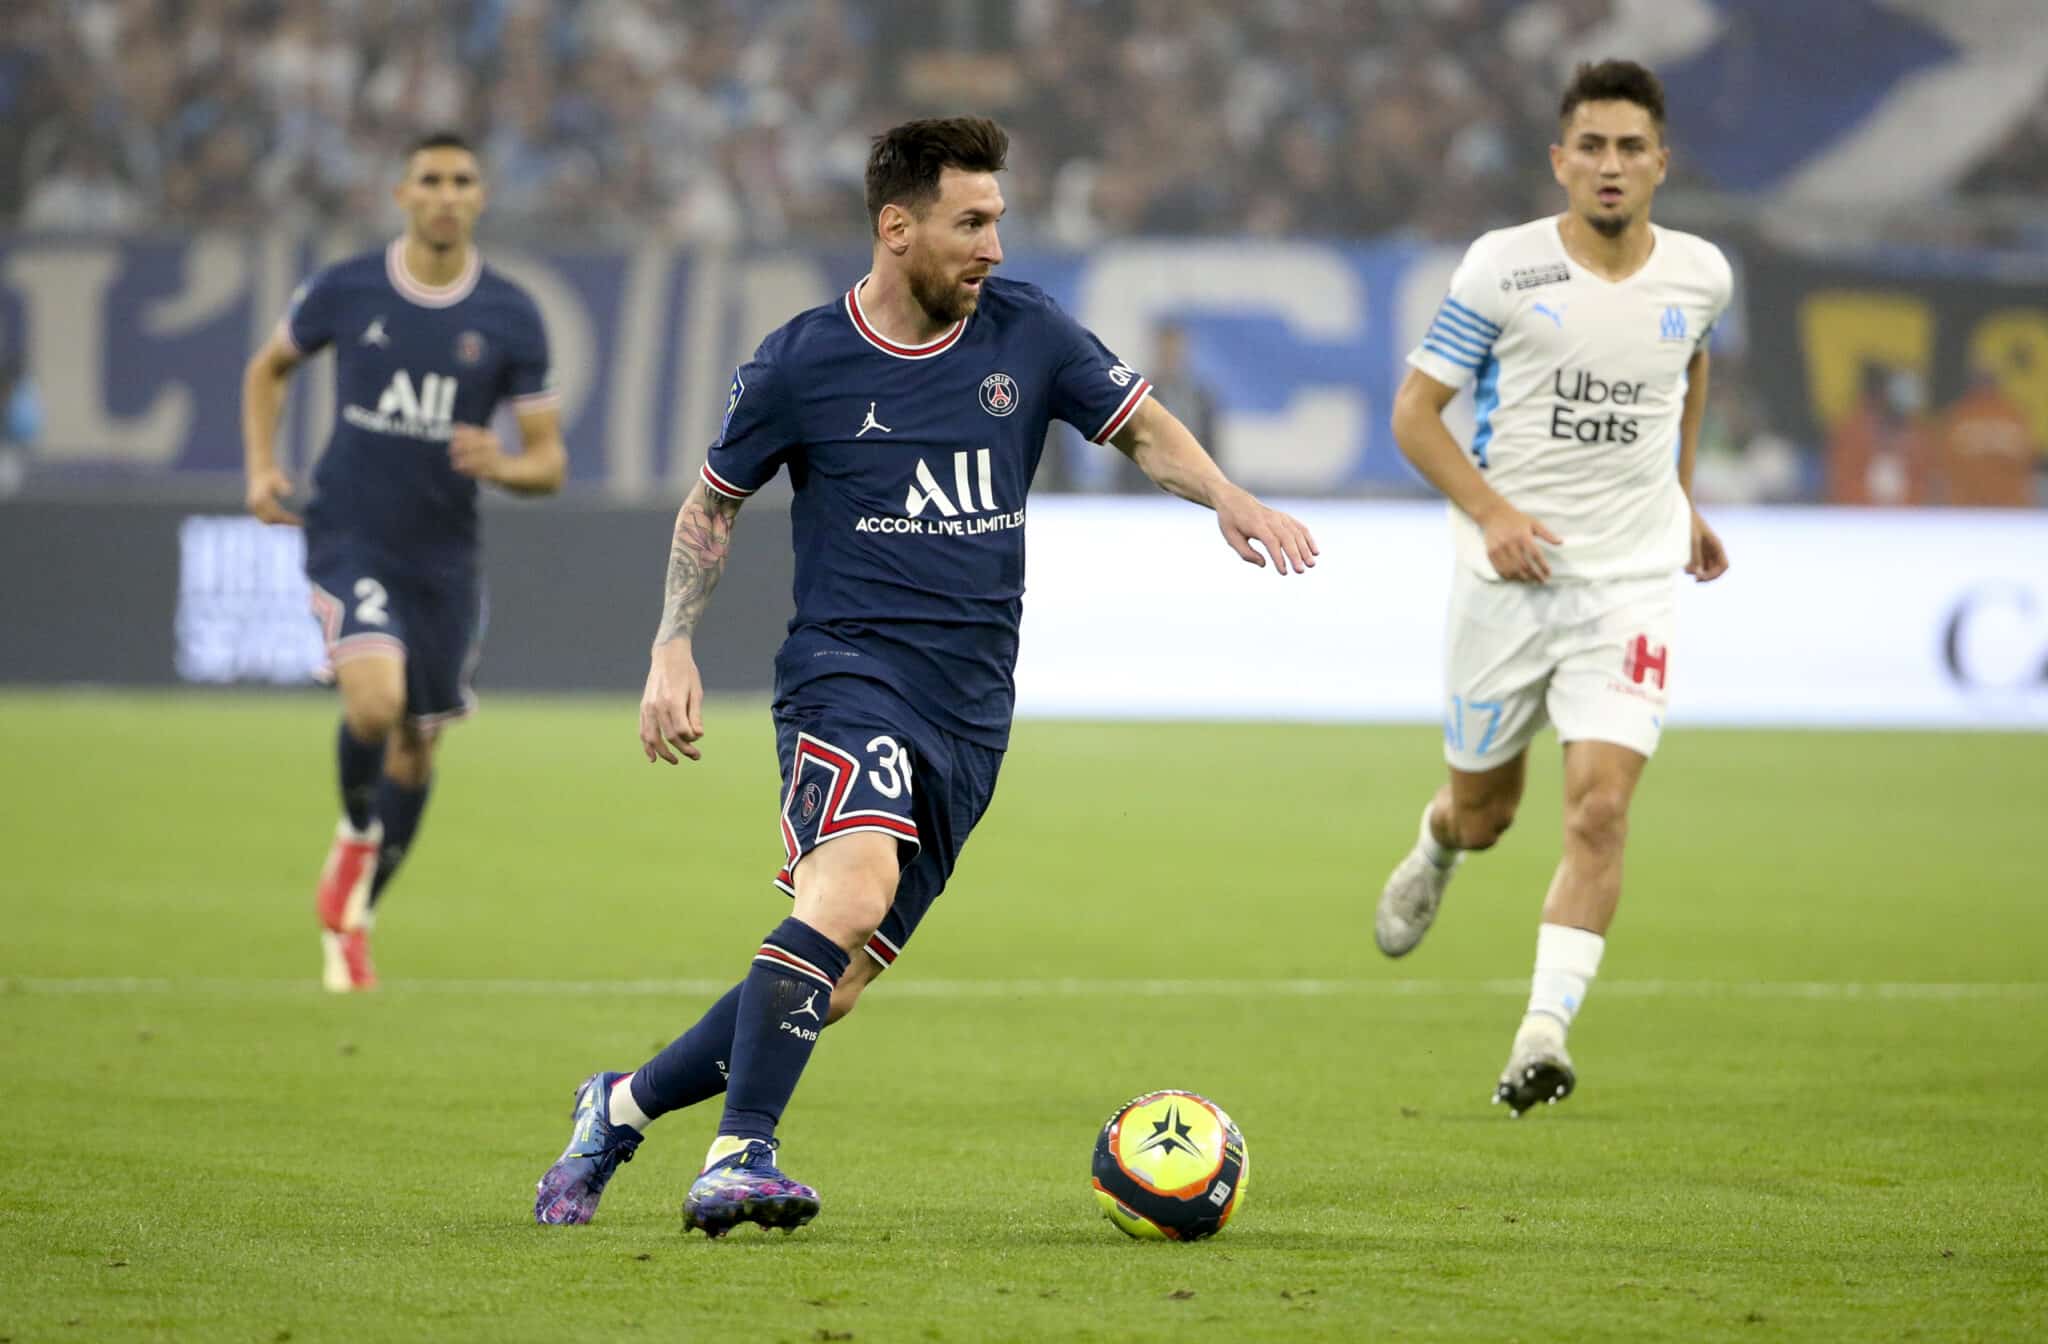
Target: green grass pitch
x,y
1813,1077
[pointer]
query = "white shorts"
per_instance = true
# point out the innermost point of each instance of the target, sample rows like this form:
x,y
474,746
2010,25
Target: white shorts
x,y
1594,658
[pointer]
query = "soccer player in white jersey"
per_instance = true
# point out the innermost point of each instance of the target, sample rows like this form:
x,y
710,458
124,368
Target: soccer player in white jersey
x,y
1584,336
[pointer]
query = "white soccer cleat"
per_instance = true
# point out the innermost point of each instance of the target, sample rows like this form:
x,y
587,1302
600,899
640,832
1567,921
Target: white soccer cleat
x,y
1539,1070
1409,901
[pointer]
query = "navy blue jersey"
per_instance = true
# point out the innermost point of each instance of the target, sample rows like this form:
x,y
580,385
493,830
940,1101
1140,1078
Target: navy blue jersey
x,y
910,466
410,362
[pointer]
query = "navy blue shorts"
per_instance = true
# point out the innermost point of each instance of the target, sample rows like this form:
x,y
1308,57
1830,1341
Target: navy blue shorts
x,y
370,606
856,758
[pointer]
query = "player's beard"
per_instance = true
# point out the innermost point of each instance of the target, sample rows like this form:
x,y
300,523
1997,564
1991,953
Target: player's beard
x,y
1609,226
943,298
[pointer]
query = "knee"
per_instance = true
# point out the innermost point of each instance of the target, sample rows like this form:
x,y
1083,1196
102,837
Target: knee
x,y
1481,826
1597,819
849,908
857,914
410,758
844,998
373,716
847,992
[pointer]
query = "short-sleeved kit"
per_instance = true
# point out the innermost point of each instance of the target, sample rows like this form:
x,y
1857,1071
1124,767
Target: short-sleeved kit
x,y
1579,383
910,466
391,532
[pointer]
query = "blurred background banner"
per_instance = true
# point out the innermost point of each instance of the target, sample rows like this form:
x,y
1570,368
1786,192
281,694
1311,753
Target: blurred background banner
x,y
1905,618
1283,355
1923,378
1908,377
138,343
1828,617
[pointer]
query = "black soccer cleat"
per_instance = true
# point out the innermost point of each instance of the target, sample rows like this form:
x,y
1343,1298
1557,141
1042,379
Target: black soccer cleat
x,y
1539,1072
1545,1083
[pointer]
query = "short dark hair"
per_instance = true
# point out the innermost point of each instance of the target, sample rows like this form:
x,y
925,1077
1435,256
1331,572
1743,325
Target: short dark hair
x,y
1614,81
442,140
906,161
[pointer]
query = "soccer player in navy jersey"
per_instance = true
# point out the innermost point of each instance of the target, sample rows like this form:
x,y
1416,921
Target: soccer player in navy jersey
x,y
428,343
910,414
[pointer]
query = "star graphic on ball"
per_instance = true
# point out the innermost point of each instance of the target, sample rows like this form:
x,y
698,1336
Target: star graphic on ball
x,y
1169,1135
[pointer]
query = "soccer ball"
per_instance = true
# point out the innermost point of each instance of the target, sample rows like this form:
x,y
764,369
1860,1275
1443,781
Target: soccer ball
x,y
1170,1166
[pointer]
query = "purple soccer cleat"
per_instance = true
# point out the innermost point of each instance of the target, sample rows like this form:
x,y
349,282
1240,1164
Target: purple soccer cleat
x,y
745,1187
570,1190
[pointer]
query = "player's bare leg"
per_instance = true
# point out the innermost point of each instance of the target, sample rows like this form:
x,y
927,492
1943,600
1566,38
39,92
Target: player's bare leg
x,y
860,973
372,707
1472,811
843,889
846,885
409,755
1600,782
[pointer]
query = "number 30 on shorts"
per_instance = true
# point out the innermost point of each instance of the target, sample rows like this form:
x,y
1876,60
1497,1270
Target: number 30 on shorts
x,y
891,775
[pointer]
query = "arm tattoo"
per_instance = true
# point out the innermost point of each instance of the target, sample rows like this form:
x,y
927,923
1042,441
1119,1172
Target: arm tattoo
x,y
696,559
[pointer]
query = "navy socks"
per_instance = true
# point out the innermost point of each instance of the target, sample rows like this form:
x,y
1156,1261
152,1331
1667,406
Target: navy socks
x,y
694,1066
781,1009
399,808
362,764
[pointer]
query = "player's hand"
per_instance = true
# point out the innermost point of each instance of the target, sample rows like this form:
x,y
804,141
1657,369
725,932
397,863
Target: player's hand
x,y
1709,557
672,706
1511,538
266,489
475,452
1244,520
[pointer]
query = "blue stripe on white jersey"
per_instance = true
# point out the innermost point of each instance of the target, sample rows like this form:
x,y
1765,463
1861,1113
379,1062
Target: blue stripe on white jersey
x,y
1460,335
1455,309
1453,324
1458,349
1485,401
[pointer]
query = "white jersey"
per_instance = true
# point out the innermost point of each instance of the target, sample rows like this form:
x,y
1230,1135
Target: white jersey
x,y
1580,383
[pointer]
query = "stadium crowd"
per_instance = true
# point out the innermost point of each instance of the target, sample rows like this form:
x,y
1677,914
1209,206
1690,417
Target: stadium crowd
x,y
704,120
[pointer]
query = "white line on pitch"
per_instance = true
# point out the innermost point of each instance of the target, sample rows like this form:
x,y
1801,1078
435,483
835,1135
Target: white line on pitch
x,y
1070,988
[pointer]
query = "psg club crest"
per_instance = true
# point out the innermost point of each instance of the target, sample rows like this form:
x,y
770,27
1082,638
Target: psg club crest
x,y
807,804
999,394
469,347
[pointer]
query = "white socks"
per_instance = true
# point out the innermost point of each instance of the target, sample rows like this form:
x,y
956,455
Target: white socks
x,y
1567,959
1438,854
623,1109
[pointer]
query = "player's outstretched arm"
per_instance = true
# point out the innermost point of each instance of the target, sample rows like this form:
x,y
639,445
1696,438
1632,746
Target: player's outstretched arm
x,y
672,706
1511,535
1709,558
1169,453
264,380
538,468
